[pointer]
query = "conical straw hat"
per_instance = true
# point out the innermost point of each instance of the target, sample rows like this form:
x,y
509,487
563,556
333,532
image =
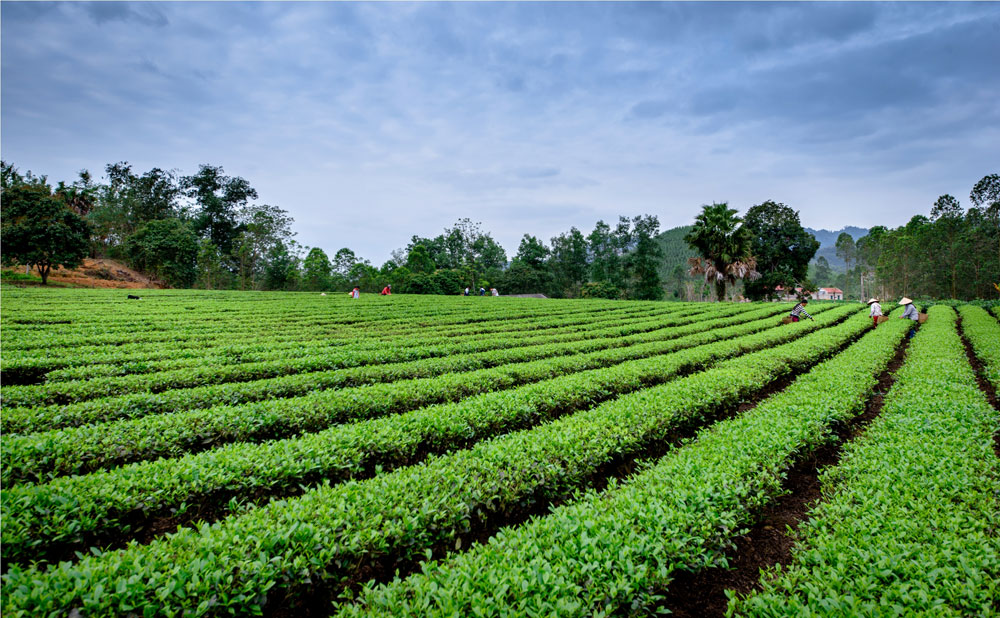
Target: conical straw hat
x,y
872,300
905,301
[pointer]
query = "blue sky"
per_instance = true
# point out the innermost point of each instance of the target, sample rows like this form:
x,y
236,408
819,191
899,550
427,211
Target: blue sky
x,y
371,122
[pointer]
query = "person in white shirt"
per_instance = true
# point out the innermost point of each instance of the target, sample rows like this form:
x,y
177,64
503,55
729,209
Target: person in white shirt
x,y
876,310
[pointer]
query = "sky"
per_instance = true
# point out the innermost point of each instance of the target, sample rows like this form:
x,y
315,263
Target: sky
x,y
373,122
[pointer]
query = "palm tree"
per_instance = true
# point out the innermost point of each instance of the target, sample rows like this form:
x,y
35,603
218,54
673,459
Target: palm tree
x,y
724,246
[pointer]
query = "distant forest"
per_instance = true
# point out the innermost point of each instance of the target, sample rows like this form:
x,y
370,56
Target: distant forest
x,y
206,230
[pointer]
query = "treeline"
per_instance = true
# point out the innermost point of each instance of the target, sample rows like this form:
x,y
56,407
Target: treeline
x,y
619,262
204,230
952,252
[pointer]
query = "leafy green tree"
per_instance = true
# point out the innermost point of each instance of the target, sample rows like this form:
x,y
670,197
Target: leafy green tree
x,y
846,249
316,270
946,243
263,227
824,274
643,262
166,249
419,260
283,270
528,272
986,195
724,245
532,252
568,263
601,289
218,199
212,272
343,261
128,201
607,249
781,246
38,228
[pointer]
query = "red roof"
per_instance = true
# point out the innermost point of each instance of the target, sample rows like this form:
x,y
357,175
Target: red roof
x,y
832,290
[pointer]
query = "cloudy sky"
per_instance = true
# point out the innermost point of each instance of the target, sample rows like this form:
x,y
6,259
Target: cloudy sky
x,y
371,122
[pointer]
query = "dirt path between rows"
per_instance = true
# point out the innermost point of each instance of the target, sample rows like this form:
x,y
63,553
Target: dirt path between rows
x,y
770,540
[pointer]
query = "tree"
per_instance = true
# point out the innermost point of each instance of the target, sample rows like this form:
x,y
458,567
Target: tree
x,y
212,273
128,201
724,246
846,249
282,269
644,259
419,260
263,228
781,247
218,198
568,263
947,217
607,249
316,270
986,194
167,249
528,272
38,228
824,274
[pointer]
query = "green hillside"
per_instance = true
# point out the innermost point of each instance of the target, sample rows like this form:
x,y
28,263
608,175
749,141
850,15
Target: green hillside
x,y
675,251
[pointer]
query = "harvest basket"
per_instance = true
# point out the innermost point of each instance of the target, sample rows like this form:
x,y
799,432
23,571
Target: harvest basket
x,y
883,318
786,320
921,317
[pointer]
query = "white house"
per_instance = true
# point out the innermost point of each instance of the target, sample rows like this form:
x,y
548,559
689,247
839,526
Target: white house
x,y
829,294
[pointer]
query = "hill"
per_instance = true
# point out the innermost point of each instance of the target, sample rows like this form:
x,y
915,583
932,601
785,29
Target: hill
x,y
675,251
96,273
828,241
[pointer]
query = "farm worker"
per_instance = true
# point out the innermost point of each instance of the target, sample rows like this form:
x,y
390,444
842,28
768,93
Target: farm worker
x,y
876,311
466,293
909,313
387,290
482,291
356,292
494,292
800,309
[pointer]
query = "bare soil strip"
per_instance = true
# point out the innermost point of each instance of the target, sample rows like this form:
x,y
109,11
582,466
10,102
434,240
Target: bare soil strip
x,y
984,384
770,540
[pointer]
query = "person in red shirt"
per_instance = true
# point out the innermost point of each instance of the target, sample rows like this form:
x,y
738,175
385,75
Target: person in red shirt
x,y
387,290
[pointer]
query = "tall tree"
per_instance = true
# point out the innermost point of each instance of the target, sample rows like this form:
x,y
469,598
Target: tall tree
x,y
846,249
128,201
781,246
283,264
218,199
263,227
568,263
724,245
212,274
166,249
824,274
528,272
986,195
643,261
419,260
948,219
316,270
38,228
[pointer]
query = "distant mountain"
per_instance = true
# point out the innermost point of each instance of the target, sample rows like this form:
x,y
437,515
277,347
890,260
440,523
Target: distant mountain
x,y
828,244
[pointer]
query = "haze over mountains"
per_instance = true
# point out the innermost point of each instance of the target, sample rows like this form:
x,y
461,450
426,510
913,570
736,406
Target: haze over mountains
x,y
828,241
